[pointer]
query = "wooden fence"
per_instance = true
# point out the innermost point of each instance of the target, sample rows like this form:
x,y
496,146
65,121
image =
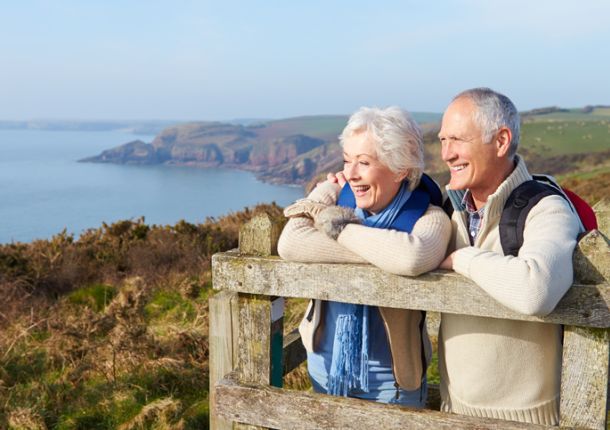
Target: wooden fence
x,y
249,354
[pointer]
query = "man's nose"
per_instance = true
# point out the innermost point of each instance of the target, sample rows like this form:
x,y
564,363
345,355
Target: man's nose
x,y
447,150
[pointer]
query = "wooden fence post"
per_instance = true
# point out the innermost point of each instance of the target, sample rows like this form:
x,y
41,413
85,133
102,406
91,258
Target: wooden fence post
x,y
223,314
261,318
586,351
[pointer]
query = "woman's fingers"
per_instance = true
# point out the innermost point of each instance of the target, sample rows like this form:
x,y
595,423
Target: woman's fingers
x,y
337,178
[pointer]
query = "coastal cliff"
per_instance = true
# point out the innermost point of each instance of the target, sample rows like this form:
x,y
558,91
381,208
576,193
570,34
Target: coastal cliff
x,y
278,151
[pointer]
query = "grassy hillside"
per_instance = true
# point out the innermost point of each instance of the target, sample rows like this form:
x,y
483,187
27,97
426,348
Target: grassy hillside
x,y
566,137
110,330
326,127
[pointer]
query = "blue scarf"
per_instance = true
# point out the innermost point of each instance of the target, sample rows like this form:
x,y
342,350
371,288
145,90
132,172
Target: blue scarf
x,y
349,366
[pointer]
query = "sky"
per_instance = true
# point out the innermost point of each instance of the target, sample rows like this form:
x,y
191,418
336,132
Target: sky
x,y
220,60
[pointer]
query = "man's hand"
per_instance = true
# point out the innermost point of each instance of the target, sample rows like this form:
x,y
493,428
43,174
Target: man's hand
x,y
447,263
337,178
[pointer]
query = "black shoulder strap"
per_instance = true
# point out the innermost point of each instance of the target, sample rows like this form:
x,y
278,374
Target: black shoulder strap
x,y
448,207
517,207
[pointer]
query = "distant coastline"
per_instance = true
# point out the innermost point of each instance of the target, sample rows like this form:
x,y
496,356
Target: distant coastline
x,y
135,127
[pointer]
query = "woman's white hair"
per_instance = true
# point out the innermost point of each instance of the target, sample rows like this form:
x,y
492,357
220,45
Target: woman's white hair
x,y
398,139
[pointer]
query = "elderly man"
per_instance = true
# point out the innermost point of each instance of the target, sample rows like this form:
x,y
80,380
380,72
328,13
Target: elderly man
x,y
493,367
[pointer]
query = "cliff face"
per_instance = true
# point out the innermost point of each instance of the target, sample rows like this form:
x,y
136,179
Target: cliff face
x,y
278,153
135,152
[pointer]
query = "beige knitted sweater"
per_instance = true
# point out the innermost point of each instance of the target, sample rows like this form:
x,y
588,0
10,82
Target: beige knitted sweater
x,y
501,368
397,252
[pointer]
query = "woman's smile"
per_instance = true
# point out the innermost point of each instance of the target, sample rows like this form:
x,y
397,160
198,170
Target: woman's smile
x,y
373,183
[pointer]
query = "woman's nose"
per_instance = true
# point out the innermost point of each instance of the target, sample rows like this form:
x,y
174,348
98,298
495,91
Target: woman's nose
x,y
350,171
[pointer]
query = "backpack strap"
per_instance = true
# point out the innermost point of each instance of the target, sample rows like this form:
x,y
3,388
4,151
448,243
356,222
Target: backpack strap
x,y
448,207
517,207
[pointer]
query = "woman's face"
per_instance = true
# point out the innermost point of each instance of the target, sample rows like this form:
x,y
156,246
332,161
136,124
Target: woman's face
x,y
373,183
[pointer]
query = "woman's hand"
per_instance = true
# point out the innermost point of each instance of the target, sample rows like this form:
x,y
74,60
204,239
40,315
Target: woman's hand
x,y
337,178
333,219
304,208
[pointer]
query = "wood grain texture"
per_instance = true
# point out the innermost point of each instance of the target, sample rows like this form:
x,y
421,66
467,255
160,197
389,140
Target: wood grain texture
x,y
257,334
222,338
592,259
440,291
283,409
584,378
602,212
260,235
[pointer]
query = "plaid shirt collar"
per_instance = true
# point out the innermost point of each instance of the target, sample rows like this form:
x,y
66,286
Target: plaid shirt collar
x,y
475,216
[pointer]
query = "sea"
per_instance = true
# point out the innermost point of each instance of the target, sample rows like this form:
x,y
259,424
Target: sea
x,y
44,189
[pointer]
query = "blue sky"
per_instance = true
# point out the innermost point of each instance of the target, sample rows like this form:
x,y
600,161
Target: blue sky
x,y
214,60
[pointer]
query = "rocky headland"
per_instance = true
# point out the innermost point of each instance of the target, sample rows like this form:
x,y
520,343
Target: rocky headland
x,y
287,151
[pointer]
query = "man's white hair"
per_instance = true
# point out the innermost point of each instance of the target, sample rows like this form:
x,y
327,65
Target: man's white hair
x,y
494,111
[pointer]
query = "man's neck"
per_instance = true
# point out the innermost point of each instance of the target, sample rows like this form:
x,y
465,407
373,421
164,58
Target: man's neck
x,y
479,197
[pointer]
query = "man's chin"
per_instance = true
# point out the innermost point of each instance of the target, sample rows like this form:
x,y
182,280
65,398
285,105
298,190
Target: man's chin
x,y
457,185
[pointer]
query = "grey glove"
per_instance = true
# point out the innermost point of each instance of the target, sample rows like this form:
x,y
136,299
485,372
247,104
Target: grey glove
x,y
304,208
333,219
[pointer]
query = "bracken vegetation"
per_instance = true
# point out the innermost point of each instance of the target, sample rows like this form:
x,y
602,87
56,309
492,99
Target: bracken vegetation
x,y
110,330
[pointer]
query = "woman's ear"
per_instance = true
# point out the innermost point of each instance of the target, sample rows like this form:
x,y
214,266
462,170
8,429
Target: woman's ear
x,y
399,177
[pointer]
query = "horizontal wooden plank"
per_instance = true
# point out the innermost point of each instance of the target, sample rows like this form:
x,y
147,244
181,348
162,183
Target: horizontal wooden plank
x,y
284,409
440,291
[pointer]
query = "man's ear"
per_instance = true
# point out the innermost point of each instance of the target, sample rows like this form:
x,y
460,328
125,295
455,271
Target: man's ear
x,y
503,139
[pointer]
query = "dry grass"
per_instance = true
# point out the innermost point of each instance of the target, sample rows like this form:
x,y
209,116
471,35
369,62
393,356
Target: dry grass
x,y
110,329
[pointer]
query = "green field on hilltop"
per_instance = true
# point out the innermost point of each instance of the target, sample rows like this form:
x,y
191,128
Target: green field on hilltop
x,y
566,137
325,127
328,127
596,114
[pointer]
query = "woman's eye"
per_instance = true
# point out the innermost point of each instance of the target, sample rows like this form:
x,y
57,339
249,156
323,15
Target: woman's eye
x,y
364,163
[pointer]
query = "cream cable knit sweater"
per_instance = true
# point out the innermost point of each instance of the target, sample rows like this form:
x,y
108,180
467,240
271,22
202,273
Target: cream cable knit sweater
x,y
500,368
396,252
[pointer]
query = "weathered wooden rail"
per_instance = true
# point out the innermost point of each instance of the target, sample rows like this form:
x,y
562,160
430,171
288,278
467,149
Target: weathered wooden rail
x,y
249,355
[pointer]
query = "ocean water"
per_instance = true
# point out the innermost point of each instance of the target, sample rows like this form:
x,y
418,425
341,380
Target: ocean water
x,y
43,189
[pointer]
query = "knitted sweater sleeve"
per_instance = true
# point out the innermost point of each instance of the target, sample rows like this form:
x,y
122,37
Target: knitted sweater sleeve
x,y
533,282
397,252
409,254
301,241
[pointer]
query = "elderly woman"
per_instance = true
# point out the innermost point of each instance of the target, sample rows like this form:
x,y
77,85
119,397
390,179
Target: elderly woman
x,y
388,215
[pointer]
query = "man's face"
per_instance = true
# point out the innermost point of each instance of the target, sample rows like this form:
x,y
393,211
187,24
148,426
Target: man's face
x,y
473,163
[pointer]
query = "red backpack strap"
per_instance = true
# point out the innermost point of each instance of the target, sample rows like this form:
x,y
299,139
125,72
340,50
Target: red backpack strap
x,y
585,212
